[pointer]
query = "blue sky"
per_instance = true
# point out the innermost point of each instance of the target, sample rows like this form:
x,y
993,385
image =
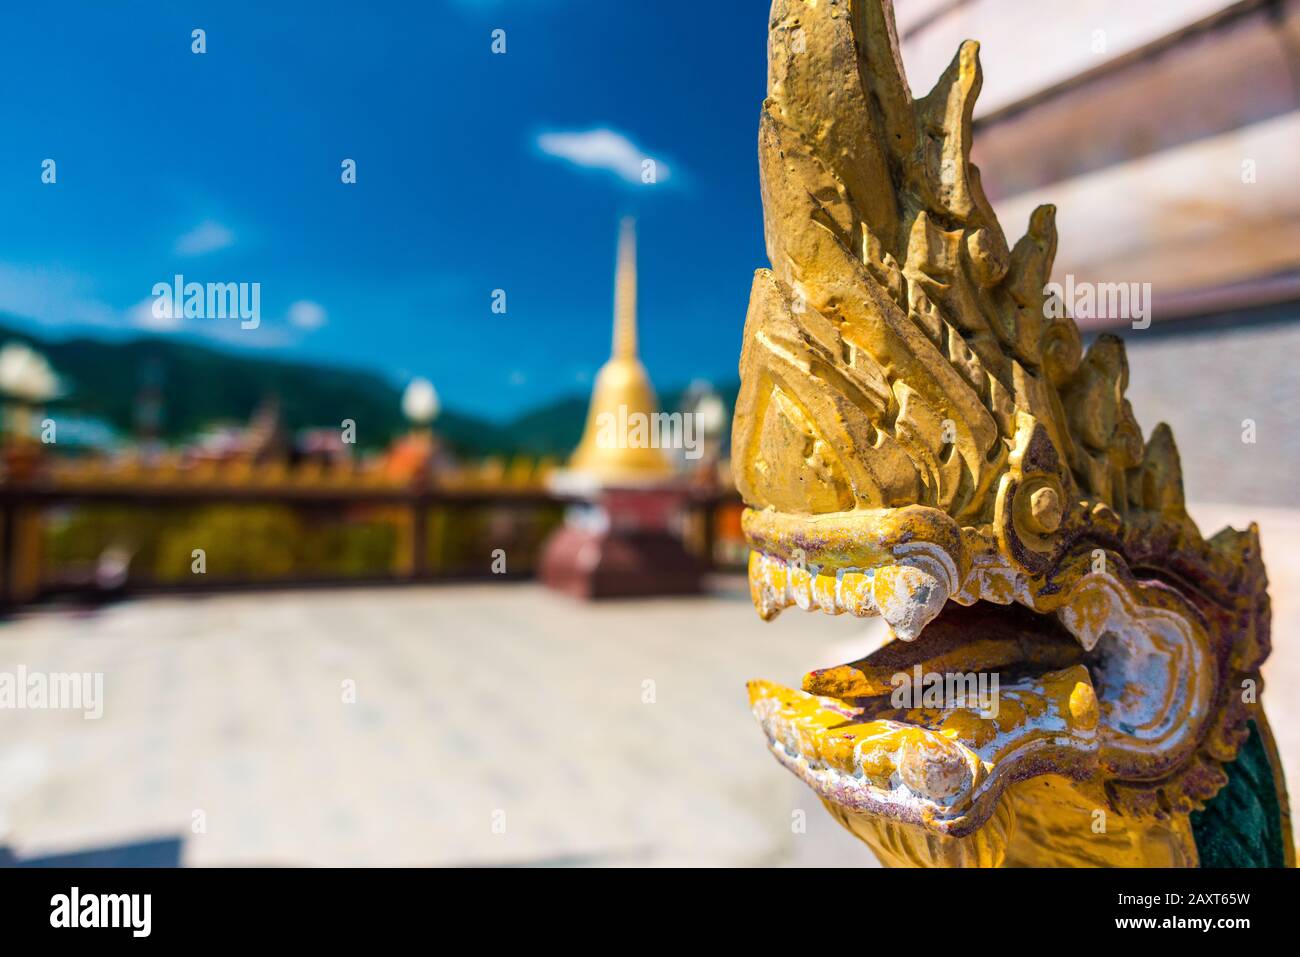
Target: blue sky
x,y
225,166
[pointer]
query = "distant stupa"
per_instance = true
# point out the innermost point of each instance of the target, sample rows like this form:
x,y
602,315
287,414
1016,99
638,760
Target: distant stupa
x,y
622,532
622,393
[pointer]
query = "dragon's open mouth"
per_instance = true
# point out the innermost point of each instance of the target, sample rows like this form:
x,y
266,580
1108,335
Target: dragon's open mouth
x,y
979,688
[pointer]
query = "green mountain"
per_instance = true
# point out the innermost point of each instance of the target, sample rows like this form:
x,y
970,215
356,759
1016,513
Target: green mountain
x,y
202,386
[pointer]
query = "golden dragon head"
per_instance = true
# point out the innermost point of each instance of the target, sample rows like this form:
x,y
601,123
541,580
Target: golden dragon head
x,y
919,435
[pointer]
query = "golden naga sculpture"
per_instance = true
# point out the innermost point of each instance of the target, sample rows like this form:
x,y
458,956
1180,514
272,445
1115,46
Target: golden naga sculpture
x,y
920,436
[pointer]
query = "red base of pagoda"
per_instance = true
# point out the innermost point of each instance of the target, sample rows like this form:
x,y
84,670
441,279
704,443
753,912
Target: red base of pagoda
x,y
609,564
621,545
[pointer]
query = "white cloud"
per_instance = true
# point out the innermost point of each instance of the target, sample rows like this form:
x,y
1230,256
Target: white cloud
x,y
603,149
52,296
306,314
142,315
207,237
266,335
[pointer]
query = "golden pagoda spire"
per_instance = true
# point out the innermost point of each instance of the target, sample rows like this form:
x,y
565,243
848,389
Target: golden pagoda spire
x,y
625,292
613,448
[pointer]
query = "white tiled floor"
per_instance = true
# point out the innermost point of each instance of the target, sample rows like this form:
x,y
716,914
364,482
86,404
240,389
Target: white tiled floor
x,y
469,701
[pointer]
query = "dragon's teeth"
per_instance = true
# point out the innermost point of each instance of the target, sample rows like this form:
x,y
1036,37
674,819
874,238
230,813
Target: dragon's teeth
x,y
933,766
801,585
853,594
909,598
824,594
769,585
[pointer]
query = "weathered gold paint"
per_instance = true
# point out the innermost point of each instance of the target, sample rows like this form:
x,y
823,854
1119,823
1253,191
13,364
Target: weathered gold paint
x,y
917,424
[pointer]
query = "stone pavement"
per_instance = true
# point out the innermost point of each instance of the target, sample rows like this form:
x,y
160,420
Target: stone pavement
x,y
491,724
477,709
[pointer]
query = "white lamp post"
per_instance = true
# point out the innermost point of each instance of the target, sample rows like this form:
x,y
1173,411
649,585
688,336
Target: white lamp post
x,y
27,380
420,402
